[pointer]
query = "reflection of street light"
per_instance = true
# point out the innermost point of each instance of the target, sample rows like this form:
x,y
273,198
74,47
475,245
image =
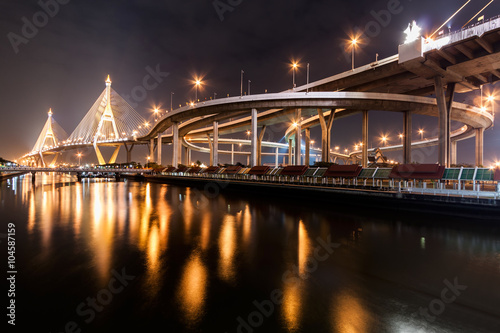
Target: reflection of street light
x,y
421,132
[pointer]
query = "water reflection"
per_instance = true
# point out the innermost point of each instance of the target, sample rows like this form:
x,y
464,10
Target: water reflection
x,y
192,289
186,252
227,249
349,314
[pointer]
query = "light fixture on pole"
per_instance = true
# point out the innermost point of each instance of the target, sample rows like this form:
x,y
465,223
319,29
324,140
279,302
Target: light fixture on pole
x,y
171,99
241,87
307,82
294,68
197,84
421,132
354,42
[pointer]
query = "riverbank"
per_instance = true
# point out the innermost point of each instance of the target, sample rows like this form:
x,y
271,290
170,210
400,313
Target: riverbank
x,y
487,209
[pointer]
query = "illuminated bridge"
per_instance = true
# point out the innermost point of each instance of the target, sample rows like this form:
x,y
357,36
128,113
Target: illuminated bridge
x,y
458,62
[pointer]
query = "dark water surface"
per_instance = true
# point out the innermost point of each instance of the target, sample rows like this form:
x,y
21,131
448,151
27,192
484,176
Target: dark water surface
x,y
106,256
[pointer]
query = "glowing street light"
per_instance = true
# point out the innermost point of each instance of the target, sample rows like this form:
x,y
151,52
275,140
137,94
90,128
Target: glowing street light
x,y
354,42
149,158
401,136
79,158
384,139
197,83
294,68
156,111
421,132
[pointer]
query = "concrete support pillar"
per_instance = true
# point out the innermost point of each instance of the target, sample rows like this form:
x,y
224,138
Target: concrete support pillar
x,y
259,145
307,134
326,126
444,103
216,143
152,150
253,138
364,138
158,149
479,146
407,138
453,152
129,152
298,137
276,162
211,147
186,155
175,145
290,149
232,154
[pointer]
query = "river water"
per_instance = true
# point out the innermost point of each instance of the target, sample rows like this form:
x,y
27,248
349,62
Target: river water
x,y
107,256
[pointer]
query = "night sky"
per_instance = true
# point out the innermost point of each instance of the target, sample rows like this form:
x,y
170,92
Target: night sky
x,y
64,64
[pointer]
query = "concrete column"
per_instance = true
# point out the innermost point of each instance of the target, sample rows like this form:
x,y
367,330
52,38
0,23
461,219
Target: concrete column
x,y
307,159
276,162
158,149
259,145
479,146
232,154
298,137
290,149
364,135
253,138
175,145
129,152
216,143
189,160
326,127
186,156
453,152
211,147
444,103
152,150
407,133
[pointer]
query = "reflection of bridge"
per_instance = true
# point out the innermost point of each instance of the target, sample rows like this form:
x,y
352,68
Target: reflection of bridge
x,y
117,172
459,62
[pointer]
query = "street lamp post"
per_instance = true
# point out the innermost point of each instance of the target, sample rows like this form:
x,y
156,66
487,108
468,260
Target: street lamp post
x,y
353,45
421,132
171,99
241,88
249,86
79,158
294,67
197,84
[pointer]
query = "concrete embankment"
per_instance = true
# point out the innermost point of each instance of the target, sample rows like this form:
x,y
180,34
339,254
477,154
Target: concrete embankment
x,y
348,198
